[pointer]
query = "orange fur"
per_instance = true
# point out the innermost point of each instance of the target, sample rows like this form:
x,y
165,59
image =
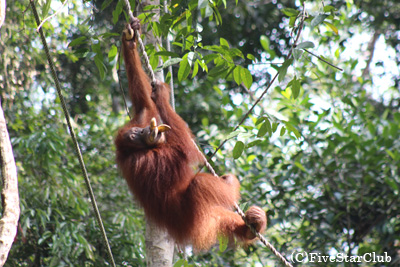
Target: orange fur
x,y
194,208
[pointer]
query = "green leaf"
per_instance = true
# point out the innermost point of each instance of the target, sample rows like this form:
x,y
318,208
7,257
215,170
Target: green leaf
x,y
292,129
264,42
392,183
246,77
112,53
77,41
251,57
283,69
292,21
295,87
238,149
265,128
254,143
300,166
117,11
391,154
46,8
195,69
260,120
283,130
233,134
290,12
179,263
236,75
274,126
329,8
224,2
297,53
223,242
223,42
332,27
98,60
305,45
217,70
171,61
184,69
106,4
318,20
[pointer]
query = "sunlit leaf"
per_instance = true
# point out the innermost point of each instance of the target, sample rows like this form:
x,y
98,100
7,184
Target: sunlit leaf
x,y
290,12
332,27
300,166
223,42
112,53
246,77
236,75
264,42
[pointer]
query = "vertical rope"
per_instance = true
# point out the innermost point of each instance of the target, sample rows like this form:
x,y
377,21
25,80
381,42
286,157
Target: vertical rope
x,y
145,57
73,136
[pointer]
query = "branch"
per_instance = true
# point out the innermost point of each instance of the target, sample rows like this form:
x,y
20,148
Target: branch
x,y
323,60
371,49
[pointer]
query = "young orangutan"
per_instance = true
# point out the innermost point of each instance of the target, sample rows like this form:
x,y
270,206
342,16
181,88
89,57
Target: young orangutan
x,y
159,161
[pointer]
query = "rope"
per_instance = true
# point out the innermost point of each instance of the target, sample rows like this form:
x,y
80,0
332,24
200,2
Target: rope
x,y
241,213
73,136
142,47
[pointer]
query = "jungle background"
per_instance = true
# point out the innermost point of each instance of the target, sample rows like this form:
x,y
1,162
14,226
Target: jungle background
x,y
320,152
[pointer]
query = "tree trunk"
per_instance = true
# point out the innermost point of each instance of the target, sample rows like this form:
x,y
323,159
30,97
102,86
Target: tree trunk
x,y
9,193
2,12
159,246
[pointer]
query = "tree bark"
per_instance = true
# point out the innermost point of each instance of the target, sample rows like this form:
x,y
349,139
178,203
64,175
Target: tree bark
x,y
9,193
159,245
2,12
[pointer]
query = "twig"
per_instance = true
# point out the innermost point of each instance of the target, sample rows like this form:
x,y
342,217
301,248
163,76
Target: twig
x,y
323,60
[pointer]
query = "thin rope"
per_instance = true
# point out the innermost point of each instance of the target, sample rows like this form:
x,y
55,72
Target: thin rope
x,y
73,136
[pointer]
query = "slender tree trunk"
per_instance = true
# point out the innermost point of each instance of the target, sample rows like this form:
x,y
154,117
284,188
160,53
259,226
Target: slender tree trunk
x,y
9,193
159,246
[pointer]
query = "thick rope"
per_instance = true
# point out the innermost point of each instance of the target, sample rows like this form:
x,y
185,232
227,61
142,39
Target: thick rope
x,y
142,47
73,136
